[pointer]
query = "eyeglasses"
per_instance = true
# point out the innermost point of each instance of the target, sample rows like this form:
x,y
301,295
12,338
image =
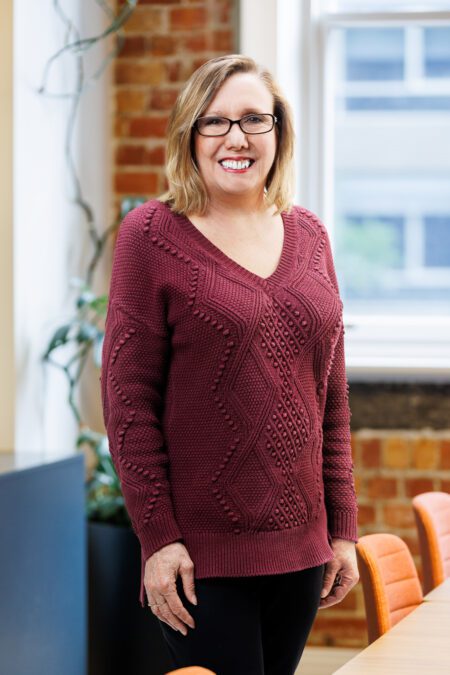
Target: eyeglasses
x,y
249,124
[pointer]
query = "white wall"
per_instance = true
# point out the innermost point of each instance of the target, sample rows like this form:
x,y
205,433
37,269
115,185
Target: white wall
x,y
7,371
50,233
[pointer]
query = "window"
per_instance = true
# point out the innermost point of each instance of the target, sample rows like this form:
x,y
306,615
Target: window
x,y
384,136
389,68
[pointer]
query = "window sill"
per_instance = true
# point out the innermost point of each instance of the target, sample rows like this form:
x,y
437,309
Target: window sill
x,y
397,348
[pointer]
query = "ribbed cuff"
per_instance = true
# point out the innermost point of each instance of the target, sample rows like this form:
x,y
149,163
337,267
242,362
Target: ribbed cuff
x,y
157,533
343,524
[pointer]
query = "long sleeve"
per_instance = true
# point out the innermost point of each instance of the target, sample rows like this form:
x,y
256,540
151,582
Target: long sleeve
x,y
135,357
340,495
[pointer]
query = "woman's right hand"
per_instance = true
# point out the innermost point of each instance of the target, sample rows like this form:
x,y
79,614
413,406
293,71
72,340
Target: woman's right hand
x,y
161,571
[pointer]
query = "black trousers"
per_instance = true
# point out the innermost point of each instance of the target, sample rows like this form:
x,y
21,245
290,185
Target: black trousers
x,y
248,625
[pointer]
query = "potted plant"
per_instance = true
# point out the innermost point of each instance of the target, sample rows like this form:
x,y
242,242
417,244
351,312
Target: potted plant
x,y
123,637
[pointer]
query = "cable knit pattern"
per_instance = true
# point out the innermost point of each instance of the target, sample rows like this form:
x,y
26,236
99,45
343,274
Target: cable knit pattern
x,y
225,397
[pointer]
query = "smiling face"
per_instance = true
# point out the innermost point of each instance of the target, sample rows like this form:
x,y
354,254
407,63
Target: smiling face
x,y
241,93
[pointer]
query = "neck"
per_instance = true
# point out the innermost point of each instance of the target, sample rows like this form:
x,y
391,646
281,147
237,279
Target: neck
x,y
237,208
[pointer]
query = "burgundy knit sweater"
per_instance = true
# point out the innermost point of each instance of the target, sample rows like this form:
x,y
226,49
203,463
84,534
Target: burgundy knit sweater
x,y
225,397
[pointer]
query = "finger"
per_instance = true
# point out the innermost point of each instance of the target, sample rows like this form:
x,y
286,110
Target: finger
x,y
163,612
187,577
171,619
337,594
177,608
329,580
155,607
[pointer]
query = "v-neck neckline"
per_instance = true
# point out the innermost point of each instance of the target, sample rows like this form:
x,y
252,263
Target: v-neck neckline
x,y
285,264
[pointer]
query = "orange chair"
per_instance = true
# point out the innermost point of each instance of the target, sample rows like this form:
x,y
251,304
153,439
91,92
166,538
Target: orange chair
x,y
191,670
432,514
390,582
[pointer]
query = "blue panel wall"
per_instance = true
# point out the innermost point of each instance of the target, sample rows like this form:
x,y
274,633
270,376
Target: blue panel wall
x,y
43,614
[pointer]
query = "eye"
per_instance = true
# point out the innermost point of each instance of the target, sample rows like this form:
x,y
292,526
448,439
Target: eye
x,y
211,121
254,119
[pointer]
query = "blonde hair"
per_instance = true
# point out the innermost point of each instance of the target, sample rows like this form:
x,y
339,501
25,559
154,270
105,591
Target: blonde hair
x,y
187,191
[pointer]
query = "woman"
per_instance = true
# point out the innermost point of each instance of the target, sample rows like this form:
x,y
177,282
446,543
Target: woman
x,y
224,390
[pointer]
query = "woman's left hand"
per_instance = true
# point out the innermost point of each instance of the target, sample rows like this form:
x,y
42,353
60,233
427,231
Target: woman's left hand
x,y
341,573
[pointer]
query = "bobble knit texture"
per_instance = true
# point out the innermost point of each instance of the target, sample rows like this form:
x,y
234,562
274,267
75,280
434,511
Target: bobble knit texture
x,y
225,397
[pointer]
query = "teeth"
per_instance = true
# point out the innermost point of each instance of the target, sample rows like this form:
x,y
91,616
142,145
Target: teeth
x,y
231,164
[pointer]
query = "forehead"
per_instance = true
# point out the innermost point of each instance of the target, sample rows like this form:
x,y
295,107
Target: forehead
x,y
239,94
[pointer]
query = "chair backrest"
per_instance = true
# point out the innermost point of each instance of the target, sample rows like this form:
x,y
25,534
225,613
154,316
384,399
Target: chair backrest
x,y
432,514
390,582
191,670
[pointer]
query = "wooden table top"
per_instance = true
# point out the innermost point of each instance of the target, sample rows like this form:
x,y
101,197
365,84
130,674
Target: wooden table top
x,y
419,643
439,594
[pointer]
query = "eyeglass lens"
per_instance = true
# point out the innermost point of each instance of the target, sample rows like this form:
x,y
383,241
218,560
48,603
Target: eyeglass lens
x,y
250,124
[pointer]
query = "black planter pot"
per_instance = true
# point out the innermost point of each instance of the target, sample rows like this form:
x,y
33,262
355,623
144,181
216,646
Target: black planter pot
x,y
123,636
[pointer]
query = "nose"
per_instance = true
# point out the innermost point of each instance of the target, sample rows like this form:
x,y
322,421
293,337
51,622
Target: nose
x,y
236,137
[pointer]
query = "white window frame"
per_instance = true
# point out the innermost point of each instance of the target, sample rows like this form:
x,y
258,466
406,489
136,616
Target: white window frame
x,y
291,39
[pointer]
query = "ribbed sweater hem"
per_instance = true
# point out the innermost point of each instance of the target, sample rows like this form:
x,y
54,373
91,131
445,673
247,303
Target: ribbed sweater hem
x,y
223,554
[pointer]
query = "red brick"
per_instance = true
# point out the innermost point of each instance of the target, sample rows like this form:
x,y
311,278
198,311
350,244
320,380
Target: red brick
x,y
398,515
130,100
444,485
121,127
445,454
156,156
370,452
144,20
137,183
160,2
133,45
198,42
148,126
188,18
366,514
131,154
163,99
350,602
396,452
221,11
140,155
162,45
380,487
414,486
164,183
137,72
425,452
174,71
196,64
412,543
223,40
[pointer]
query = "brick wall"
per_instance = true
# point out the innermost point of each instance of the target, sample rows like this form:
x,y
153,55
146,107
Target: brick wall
x,y
390,468
165,42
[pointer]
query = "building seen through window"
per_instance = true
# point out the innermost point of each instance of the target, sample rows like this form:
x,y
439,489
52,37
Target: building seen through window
x,y
390,87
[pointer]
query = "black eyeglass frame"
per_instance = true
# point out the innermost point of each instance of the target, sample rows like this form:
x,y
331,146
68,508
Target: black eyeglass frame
x,y
231,122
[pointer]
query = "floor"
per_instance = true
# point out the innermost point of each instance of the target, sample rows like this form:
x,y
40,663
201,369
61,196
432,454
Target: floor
x,y
324,660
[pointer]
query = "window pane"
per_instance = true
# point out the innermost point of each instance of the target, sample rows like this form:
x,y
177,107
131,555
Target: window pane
x,y
392,237
437,241
437,51
397,103
374,53
391,173
383,5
